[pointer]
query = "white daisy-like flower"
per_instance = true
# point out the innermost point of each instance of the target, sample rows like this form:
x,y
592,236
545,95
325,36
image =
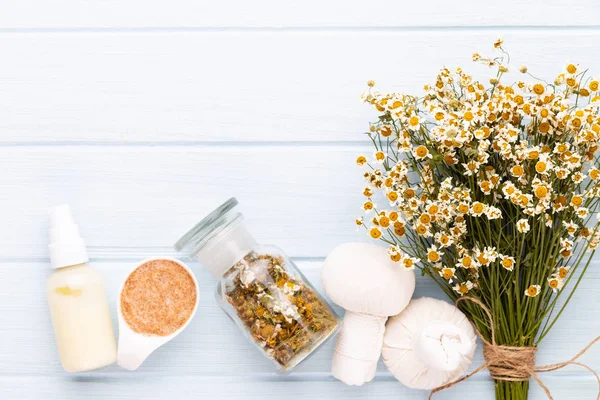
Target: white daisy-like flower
x,y
523,225
533,290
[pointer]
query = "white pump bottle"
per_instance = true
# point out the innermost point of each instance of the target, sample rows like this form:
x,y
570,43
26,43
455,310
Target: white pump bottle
x,y
78,305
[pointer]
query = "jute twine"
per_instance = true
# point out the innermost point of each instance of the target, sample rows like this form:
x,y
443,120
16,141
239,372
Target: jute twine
x,y
514,363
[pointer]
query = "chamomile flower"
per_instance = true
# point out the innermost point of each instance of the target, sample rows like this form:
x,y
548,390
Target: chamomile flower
x,y
409,262
467,262
380,157
570,227
375,232
421,153
533,290
463,288
555,283
563,271
444,240
507,262
447,273
492,212
414,123
433,254
523,225
477,209
394,253
368,206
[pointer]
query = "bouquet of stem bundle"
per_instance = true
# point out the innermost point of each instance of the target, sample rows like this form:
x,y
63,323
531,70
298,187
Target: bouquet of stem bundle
x,y
490,189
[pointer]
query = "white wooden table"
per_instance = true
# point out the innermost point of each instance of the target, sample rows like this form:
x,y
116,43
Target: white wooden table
x,y
143,114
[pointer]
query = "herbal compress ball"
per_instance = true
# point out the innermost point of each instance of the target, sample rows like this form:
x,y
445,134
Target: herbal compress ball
x,y
429,344
362,279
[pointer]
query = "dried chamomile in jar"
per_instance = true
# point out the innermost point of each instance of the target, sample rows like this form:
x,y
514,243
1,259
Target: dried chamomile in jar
x,y
284,316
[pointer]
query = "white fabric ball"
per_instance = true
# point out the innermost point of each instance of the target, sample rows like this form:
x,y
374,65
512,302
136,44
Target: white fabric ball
x,y
429,344
361,277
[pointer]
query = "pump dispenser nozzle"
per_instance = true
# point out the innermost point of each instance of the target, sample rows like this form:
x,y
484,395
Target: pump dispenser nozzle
x,y
66,246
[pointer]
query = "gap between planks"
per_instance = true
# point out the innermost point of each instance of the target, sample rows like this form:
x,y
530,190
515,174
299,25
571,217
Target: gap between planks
x,y
299,29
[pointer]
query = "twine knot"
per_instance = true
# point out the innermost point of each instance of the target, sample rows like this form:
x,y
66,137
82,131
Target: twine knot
x,y
509,363
514,363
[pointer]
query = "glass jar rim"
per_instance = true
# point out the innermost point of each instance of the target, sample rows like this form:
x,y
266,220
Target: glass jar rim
x,y
217,220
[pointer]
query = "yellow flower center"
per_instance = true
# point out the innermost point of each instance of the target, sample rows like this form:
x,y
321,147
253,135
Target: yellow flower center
x,y
468,116
395,257
414,121
544,127
467,261
517,170
433,256
422,151
384,222
375,233
577,201
507,263
540,166
538,89
594,85
425,219
541,192
562,272
361,160
399,230
524,200
478,208
532,291
447,273
571,68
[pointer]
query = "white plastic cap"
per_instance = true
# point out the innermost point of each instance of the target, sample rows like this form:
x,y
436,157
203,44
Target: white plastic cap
x,y
66,246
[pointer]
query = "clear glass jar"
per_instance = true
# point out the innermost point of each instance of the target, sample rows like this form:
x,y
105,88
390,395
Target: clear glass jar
x,y
261,289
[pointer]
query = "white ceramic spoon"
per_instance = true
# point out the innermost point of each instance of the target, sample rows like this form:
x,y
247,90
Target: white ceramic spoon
x,y
134,347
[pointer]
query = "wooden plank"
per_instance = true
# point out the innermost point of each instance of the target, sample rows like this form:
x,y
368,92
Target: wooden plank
x,y
129,199
212,345
190,87
275,388
27,14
